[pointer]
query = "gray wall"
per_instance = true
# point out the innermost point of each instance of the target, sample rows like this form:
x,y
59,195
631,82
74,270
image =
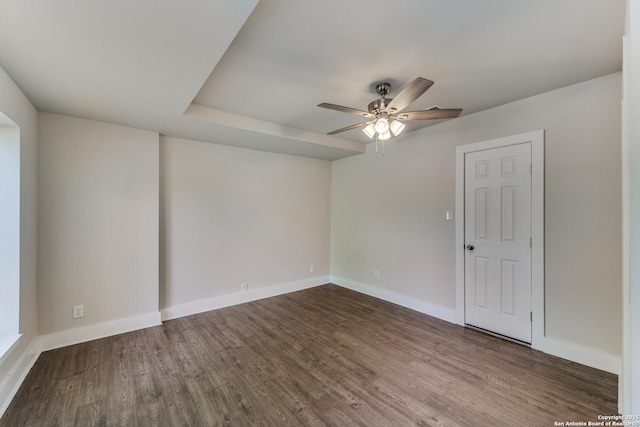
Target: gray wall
x,y
631,396
98,222
232,216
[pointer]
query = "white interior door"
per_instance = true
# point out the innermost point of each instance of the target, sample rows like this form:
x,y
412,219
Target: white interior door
x,y
497,229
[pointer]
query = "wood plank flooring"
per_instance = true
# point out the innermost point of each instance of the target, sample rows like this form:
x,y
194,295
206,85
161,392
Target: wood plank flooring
x,y
325,356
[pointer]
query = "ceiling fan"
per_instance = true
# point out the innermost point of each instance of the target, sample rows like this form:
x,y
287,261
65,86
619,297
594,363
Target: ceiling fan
x,y
385,115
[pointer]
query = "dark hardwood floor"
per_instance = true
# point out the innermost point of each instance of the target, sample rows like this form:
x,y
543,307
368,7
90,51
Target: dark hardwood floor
x,y
322,356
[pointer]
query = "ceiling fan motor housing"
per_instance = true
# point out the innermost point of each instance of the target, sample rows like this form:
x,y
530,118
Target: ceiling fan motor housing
x,y
379,105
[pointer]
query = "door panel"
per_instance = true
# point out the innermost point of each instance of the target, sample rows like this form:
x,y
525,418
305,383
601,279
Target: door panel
x,y
481,276
507,282
498,226
482,215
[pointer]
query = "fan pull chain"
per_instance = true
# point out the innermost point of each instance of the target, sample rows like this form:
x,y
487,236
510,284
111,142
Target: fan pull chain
x,y
377,145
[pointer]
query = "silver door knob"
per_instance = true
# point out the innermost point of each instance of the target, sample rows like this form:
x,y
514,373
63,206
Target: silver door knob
x,y
470,247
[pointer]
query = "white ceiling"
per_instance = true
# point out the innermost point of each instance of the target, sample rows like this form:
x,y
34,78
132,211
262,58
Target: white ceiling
x,y
237,73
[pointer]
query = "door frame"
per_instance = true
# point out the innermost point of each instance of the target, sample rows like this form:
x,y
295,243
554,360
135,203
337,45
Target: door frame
x,y
536,138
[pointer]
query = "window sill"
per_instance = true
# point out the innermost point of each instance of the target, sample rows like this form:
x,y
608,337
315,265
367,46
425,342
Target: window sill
x,y
7,343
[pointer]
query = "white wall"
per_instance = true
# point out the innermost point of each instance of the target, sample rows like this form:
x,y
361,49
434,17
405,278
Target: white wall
x,y
631,396
231,215
98,222
9,229
17,107
388,213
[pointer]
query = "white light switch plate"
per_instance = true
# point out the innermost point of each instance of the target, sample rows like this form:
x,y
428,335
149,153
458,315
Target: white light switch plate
x,y
78,311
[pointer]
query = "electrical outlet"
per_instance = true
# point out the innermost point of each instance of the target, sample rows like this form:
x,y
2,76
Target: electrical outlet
x,y
376,274
244,287
77,312
312,268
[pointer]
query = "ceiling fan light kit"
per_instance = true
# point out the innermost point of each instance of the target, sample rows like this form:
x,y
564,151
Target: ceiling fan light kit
x,y
369,130
385,119
384,136
396,127
382,124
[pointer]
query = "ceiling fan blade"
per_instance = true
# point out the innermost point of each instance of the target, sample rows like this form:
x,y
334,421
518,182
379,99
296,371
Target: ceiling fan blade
x,y
345,109
357,125
409,93
445,113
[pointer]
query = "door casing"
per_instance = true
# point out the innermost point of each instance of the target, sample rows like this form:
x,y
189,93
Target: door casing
x,y
536,138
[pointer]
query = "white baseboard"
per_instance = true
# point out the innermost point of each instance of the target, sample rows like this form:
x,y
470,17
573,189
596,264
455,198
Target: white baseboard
x,y
12,382
443,313
7,344
222,301
99,330
580,354
574,352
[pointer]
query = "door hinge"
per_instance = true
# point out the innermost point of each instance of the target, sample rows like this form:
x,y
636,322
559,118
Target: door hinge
x,y
530,168
531,316
530,242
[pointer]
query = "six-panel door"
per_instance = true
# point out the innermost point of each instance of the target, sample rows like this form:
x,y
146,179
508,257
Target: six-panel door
x,y
497,240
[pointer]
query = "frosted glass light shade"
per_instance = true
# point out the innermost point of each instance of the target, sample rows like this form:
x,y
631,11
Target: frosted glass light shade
x,y
382,125
384,136
369,130
396,127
